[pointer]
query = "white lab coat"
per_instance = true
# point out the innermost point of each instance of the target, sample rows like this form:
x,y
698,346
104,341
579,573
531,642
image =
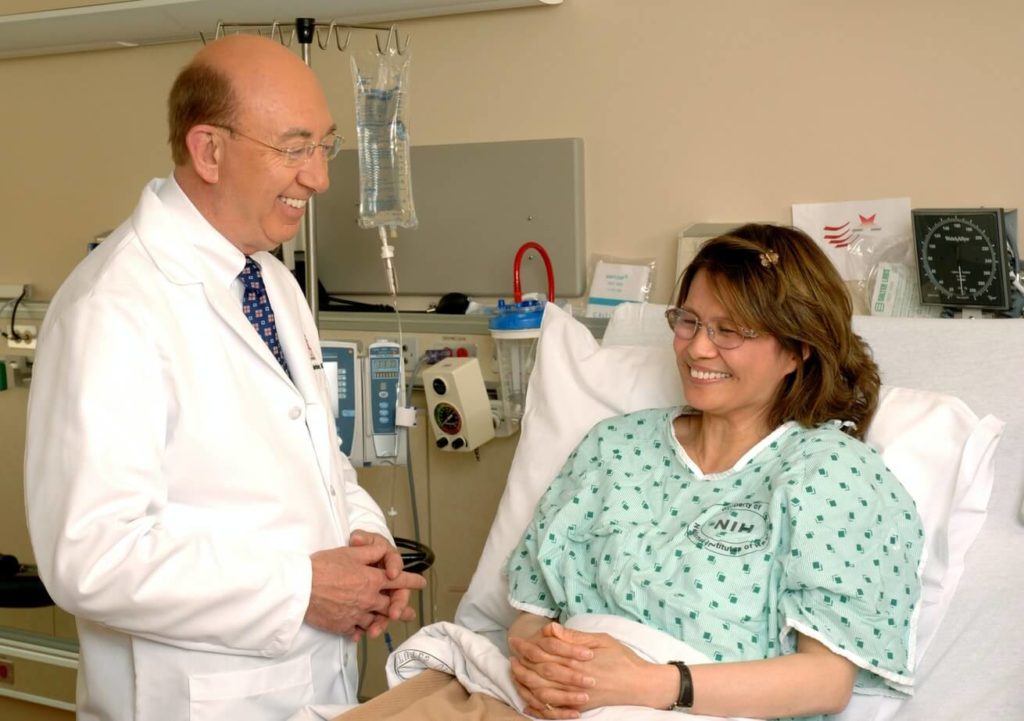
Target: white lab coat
x,y
177,481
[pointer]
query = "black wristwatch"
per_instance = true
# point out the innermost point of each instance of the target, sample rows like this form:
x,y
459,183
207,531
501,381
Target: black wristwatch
x,y
685,699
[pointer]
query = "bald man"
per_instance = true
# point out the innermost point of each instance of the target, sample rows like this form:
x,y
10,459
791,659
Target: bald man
x,y
186,497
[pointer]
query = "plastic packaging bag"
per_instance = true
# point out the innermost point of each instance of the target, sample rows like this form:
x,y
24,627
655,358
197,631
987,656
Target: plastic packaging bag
x,y
615,281
892,287
381,104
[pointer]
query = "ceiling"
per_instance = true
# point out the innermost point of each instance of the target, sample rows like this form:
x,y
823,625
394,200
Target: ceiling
x,y
130,23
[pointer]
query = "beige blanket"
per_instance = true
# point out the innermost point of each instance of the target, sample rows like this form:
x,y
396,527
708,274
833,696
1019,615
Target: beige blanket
x,y
432,696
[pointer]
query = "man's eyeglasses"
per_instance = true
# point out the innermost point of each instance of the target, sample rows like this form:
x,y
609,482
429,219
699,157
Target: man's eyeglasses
x,y
723,333
294,157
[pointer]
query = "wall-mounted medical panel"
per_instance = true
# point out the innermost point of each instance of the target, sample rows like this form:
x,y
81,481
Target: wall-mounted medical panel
x,y
477,203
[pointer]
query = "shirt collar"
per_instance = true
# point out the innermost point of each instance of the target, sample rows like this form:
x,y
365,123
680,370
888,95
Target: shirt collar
x,y
223,260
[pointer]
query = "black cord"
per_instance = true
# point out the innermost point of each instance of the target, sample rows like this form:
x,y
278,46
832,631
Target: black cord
x,y
13,335
415,518
346,304
364,646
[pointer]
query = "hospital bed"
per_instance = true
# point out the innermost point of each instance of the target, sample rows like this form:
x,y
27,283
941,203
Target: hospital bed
x,y
950,424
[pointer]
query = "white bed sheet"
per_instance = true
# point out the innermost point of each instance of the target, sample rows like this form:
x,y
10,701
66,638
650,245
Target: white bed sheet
x,y
481,667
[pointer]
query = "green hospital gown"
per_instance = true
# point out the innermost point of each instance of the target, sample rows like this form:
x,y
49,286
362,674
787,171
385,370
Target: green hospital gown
x,y
809,532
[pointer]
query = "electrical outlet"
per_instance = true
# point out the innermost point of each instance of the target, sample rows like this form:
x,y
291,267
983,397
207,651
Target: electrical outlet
x,y
452,349
8,290
410,352
19,371
27,336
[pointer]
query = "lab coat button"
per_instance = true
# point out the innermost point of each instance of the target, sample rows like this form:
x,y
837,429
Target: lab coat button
x,y
295,413
333,492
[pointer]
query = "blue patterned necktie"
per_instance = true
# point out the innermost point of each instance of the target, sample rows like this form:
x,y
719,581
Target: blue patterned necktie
x,y
257,309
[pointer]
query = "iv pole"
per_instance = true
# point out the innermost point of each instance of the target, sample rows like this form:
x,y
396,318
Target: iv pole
x,y
304,28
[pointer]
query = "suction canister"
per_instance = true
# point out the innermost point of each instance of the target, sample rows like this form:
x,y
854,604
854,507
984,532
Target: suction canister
x,y
515,329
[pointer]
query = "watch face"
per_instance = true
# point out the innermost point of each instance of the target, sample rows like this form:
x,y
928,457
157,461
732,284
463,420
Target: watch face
x,y
962,258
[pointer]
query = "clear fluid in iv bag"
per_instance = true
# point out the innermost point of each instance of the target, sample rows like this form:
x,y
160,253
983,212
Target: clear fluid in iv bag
x,y
384,173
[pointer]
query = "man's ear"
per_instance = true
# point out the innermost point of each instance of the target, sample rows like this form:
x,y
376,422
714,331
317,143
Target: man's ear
x,y
206,148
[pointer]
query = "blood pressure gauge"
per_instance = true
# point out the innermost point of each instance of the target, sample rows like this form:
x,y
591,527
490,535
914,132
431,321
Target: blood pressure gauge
x,y
965,256
448,418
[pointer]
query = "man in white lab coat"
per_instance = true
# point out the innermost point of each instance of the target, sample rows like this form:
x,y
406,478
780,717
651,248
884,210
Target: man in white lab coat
x,y
185,494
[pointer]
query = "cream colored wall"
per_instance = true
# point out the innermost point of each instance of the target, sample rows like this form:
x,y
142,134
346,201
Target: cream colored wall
x,y
702,110
690,111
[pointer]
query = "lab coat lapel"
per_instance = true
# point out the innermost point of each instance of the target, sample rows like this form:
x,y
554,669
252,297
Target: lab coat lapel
x,y
298,349
299,345
229,309
179,262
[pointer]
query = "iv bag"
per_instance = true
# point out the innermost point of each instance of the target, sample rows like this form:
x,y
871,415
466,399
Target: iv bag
x,y
385,182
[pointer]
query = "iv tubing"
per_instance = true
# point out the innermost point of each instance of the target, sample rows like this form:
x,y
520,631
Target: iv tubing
x,y
387,252
517,285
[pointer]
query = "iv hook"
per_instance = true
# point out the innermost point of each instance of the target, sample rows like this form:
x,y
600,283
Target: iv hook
x,y
322,40
399,48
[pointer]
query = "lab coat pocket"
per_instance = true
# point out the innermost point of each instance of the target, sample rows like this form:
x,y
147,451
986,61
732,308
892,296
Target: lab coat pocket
x,y
265,693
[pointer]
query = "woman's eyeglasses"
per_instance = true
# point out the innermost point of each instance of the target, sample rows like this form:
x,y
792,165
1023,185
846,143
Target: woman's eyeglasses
x,y
725,334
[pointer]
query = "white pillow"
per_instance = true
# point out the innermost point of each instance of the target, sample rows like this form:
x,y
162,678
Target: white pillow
x,y
934,444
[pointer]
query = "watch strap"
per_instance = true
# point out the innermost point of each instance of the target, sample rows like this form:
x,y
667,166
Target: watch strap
x,y
685,699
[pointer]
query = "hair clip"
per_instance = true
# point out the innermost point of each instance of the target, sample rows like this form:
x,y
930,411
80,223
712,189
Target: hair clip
x,y
769,258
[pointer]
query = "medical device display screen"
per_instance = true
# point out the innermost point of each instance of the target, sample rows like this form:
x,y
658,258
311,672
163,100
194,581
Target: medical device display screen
x,y
386,367
385,376
346,414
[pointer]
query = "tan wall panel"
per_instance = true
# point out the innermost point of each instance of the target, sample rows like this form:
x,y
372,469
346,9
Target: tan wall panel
x,y
464,493
28,680
15,710
64,625
13,531
34,620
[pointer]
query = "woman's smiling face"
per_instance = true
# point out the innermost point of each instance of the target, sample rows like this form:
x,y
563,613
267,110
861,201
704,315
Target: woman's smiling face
x,y
736,384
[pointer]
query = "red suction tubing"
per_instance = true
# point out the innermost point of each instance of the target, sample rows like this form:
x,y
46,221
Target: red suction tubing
x,y
517,285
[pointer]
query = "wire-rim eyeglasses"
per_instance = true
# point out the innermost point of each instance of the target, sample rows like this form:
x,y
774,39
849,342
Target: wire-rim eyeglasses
x,y
330,146
725,334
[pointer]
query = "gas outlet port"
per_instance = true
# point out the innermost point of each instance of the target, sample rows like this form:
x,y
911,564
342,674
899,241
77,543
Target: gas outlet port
x,y
24,337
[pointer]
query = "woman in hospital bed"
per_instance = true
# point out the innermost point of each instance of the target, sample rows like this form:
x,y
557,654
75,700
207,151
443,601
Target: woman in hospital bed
x,y
752,524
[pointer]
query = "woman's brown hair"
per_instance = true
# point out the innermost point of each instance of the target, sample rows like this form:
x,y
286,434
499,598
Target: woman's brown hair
x,y
776,280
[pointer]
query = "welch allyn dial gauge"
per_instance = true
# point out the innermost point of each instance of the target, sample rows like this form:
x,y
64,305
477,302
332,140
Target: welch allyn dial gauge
x,y
964,256
448,418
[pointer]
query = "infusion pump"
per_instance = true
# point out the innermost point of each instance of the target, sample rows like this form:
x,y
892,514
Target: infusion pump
x,y
367,395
